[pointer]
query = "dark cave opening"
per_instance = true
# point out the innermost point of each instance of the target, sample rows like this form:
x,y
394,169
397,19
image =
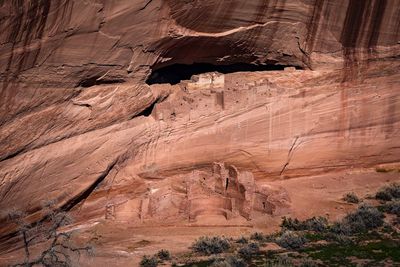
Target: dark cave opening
x,y
147,111
97,80
176,73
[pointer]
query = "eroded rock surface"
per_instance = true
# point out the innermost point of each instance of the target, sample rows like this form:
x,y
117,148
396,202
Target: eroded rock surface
x,y
220,191
79,124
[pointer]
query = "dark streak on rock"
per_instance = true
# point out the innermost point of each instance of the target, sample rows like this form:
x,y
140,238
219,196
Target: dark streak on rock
x,y
312,26
362,18
290,155
13,154
377,17
147,3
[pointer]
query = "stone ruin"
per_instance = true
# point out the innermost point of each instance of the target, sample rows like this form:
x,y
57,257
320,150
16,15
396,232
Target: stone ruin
x,y
227,192
206,81
221,190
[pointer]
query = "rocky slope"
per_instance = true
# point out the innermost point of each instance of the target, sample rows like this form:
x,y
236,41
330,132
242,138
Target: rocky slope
x,y
80,125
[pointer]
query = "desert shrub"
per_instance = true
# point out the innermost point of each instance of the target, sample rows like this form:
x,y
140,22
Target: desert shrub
x,y
291,224
364,218
308,263
339,238
280,261
387,228
291,240
389,192
383,195
394,190
242,240
317,224
271,237
148,261
163,254
247,251
369,216
257,236
392,207
341,228
211,245
230,261
351,198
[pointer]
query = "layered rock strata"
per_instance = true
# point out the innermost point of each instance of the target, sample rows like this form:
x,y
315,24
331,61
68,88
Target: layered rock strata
x,y
79,125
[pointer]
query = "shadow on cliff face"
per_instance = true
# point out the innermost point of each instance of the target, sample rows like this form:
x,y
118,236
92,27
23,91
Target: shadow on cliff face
x,y
176,73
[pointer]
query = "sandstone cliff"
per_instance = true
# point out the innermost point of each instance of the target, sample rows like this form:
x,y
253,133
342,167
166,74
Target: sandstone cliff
x,y
79,124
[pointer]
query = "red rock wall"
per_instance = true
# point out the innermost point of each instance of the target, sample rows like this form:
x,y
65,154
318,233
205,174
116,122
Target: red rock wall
x,y
73,96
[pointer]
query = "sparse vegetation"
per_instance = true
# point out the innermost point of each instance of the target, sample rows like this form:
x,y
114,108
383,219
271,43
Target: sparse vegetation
x,y
338,238
279,261
364,218
257,236
392,207
230,261
247,251
308,263
375,251
164,255
389,192
318,224
361,235
242,240
211,245
291,240
351,198
149,261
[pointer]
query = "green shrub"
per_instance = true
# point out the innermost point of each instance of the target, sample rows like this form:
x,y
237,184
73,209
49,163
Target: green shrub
x,y
230,261
291,240
148,261
351,198
389,192
247,251
163,254
211,245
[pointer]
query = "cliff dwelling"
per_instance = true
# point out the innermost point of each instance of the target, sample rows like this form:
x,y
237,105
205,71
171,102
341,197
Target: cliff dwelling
x,y
199,133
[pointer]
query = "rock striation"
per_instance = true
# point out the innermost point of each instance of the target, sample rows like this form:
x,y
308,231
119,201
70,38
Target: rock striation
x,y
293,88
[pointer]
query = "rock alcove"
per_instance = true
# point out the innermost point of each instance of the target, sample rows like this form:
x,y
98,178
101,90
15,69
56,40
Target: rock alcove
x,y
173,74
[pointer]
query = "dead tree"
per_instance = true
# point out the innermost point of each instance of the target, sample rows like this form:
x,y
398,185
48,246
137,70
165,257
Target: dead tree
x,y
59,249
